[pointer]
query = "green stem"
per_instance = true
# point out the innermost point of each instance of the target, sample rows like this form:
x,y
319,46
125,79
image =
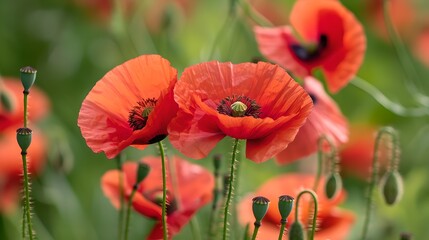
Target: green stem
x,y
121,196
127,218
282,228
164,192
255,230
24,223
195,228
374,176
314,196
25,108
320,157
254,15
230,188
27,195
387,103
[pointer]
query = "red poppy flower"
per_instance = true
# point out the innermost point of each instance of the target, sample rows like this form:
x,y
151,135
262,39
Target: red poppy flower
x,y
421,47
326,118
38,104
338,51
11,165
258,102
131,105
333,223
194,190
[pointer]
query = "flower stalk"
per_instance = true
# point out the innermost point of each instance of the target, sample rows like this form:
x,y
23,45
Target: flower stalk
x,y
313,225
164,192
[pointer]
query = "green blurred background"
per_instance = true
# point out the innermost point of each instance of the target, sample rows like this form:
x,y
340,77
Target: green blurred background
x,y
73,44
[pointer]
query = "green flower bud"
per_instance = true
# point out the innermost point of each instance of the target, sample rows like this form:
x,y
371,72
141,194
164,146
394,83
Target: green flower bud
x,y
260,207
333,185
391,187
6,101
285,206
28,76
142,171
406,236
238,109
23,137
296,231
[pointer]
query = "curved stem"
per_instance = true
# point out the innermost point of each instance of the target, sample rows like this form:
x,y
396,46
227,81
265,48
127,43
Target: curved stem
x,y
230,188
254,15
282,228
164,192
374,176
320,158
314,196
27,196
121,195
127,218
387,103
255,230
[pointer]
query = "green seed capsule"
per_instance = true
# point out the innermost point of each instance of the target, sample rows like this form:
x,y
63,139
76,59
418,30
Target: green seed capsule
x,y
142,171
23,137
285,205
260,207
333,185
28,76
391,187
296,231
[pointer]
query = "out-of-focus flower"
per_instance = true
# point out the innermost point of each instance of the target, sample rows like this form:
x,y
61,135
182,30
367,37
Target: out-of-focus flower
x,y
402,13
38,104
311,42
421,46
258,102
131,105
11,165
275,11
333,222
194,189
326,118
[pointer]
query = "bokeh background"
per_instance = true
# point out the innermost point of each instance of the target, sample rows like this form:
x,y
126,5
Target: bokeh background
x,y
74,43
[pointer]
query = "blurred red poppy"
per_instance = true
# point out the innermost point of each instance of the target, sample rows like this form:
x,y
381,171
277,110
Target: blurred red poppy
x,y
326,118
333,223
258,102
131,105
188,190
38,104
421,46
11,165
312,42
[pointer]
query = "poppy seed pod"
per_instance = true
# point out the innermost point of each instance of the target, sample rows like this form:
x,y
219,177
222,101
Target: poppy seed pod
x,y
285,206
28,76
142,171
392,187
296,231
333,185
23,137
260,208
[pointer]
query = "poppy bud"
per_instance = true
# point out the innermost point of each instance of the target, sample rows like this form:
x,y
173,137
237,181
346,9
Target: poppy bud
x,y
391,187
406,236
28,76
6,101
238,109
333,185
142,171
285,206
217,162
23,137
296,231
260,208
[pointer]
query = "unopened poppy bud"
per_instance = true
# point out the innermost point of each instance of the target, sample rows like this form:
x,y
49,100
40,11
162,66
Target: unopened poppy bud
x,y
23,137
6,101
238,109
296,231
406,236
142,171
260,208
28,76
333,185
392,187
285,206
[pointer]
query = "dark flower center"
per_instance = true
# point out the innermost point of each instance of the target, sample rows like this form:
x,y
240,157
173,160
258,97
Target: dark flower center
x,y
313,98
309,53
239,106
155,196
139,114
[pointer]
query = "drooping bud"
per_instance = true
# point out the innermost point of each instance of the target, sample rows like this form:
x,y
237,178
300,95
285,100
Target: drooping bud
x,y
392,187
142,171
23,137
238,109
260,207
333,185
6,101
28,76
296,231
406,236
285,206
